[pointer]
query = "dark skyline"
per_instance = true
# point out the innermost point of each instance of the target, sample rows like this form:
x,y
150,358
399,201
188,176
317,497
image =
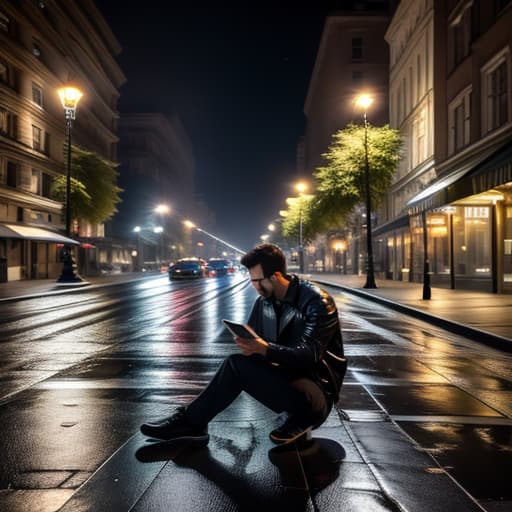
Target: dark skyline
x,y
238,80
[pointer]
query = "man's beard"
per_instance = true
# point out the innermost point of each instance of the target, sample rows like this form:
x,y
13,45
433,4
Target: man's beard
x,y
268,294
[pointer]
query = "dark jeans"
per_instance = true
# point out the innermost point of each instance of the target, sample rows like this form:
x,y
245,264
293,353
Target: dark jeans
x,y
270,385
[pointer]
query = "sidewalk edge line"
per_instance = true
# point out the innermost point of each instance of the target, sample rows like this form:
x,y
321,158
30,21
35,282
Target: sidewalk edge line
x,y
478,335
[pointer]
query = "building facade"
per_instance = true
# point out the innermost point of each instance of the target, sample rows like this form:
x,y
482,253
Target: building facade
x,y
157,174
410,36
43,46
446,219
351,60
459,206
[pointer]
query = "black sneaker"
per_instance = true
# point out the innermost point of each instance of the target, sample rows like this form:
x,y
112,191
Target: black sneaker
x,y
176,428
290,431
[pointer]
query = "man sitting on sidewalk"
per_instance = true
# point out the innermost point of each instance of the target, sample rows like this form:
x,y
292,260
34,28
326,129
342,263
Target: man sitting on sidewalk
x,y
296,365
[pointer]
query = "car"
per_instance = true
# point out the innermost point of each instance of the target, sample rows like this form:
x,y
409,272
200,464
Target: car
x,y
187,268
219,267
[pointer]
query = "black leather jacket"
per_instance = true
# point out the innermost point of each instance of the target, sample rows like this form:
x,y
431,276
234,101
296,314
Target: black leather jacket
x,y
308,326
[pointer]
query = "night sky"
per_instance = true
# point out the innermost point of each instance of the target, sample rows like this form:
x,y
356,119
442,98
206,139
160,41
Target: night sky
x,y
238,79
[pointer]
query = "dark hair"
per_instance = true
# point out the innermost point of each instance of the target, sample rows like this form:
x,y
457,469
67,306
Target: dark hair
x,y
269,256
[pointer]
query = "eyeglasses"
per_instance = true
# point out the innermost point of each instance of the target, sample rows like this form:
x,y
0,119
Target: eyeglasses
x,y
259,280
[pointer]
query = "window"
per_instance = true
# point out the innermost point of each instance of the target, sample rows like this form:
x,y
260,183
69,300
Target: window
x,y
459,35
8,74
459,121
37,94
5,22
4,72
46,185
357,48
472,241
40,183
399,105
418,140
37,141
497,96
419,90
36,49
495,92
8,123
35,182
40,140
12,175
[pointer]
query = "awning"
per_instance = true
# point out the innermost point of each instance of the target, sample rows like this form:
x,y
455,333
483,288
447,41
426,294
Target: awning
x,y
399,222
33,233
492,173
435,195
488,170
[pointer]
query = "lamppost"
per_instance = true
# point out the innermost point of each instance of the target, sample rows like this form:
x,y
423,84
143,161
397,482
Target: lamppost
x,y
301,187
140,257
341,256
364,101
69,97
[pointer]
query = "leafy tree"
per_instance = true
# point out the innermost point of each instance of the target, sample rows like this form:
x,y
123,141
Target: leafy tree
x,y
94,191
298,207
341,181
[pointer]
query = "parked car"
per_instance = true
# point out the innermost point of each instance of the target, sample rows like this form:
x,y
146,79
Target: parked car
x,y
187,268
219,267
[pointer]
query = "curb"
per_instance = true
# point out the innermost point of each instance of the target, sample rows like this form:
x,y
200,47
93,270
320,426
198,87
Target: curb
x,y
493,340
62,289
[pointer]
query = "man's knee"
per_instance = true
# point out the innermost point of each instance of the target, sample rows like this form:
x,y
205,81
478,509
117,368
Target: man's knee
x,y
241,361
246,367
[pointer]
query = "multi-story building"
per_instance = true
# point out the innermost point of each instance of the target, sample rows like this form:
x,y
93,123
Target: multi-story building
x,y
410,36
43,46
157,169
352,59
459,195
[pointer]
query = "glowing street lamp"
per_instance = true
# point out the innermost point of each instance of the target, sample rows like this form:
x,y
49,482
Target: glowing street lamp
x,y
69,97
189,224
140,257
162,209
364,101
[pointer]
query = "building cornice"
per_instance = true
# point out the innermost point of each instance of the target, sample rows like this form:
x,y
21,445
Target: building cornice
x,y
405,25
28,200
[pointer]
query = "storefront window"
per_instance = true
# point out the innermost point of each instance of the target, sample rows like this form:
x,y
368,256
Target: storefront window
x,y
438,243
406,263
472,241
507,249
417,243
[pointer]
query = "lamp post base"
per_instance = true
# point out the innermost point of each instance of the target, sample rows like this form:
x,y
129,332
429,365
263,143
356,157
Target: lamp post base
x,y
69,275
370,283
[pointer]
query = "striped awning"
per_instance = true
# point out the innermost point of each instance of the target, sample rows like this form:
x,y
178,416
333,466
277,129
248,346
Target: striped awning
x,y
489,171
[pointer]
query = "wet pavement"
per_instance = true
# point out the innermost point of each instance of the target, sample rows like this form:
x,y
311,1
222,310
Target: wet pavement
x,y
423,422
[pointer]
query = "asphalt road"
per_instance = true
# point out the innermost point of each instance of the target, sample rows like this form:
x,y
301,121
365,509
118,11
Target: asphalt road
x,y
80,372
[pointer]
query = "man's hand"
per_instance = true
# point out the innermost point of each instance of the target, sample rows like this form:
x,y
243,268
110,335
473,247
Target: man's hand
x,y
249,346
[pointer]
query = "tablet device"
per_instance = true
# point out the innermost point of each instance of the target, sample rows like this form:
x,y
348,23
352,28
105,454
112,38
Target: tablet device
x,y
240,330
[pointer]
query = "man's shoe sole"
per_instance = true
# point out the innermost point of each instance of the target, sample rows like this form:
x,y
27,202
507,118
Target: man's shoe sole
x,y
304,435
